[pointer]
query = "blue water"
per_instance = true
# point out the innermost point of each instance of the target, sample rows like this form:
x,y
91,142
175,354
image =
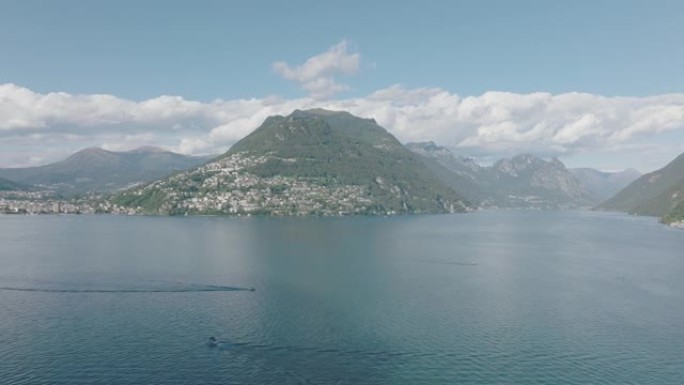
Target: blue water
x,y
504,297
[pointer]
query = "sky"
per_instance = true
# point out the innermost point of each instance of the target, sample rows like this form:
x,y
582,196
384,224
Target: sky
x,y
595,83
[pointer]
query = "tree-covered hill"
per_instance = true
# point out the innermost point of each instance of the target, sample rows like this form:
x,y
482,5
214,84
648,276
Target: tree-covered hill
x,y
310,162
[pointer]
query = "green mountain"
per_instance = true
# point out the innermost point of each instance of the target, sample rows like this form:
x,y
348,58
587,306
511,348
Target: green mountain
x,y
8,185
314,162
676,215
655,193
97,170
523,181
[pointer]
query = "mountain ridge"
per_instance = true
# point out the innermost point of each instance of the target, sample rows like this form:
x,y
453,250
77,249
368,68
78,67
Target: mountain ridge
x,y
653,194
605,184
309,162
523,181
8,185
96,170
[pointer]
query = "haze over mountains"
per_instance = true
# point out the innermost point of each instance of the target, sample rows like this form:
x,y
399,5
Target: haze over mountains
x,y
658,193
95,170
522,181
332,163
603,184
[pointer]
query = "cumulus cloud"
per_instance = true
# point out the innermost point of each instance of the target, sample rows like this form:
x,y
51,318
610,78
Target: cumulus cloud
x,y
317,74
37,127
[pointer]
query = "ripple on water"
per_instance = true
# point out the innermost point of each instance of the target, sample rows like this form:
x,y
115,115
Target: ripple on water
x,y
349,301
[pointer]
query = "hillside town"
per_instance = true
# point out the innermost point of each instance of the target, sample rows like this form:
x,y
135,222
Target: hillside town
x,y
224,187
43,202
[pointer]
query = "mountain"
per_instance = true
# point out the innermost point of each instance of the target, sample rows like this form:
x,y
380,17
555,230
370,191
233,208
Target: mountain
x,y
524,180
459,173
314,162
528,181
97,170
8,185
675,216
602,184
655,193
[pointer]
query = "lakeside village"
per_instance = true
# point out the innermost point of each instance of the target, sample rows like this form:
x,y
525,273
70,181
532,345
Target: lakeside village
x,y
43,202
302,199
21,203
219,188
223,187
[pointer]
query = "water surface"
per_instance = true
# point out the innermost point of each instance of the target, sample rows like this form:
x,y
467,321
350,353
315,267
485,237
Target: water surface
x,y
488,298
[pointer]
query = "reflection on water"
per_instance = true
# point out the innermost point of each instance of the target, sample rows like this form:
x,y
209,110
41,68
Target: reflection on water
x,y
492,297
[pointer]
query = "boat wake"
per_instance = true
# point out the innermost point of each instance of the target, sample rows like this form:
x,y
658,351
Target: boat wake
x,y
186,289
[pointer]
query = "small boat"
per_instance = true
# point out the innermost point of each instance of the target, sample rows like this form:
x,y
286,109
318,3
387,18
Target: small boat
x,y
212,342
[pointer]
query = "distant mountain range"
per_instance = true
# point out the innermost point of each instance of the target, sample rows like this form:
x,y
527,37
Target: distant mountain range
x,y
521,181
314,162
459,173
96,170
602,184
659,193
321,162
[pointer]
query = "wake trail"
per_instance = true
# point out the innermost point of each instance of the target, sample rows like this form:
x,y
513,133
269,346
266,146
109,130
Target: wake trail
x,y
194,289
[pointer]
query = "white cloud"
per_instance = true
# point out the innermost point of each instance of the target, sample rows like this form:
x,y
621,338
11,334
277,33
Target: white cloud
x,y
317,74
45,127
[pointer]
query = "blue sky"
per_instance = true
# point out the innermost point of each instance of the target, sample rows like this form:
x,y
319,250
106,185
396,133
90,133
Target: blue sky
x,y
208,50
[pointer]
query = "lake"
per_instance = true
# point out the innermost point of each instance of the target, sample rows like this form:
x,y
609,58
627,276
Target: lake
x,y
497,297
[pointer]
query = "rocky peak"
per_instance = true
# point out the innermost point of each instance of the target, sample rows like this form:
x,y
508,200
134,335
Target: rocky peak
x,y
505,166
444,156
557,163
523,162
